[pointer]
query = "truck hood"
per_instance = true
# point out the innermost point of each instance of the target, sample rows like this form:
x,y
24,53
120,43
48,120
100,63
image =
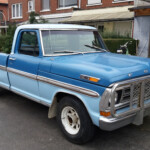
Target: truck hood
x,y
109,67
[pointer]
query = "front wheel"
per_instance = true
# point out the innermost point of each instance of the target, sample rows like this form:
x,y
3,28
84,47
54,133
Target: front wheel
x,y
74,120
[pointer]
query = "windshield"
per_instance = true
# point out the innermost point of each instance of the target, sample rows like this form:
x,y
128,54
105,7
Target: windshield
x,y
66,41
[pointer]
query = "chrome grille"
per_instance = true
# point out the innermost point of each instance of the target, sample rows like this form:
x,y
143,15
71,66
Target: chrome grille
x,y
126,93
136,91
147,90
131,94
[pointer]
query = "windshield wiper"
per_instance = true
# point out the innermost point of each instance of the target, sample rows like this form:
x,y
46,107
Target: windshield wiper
x,y
68,51
95,47
65,51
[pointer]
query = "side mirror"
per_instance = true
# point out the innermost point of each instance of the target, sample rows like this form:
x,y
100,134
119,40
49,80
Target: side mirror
x,y
119,51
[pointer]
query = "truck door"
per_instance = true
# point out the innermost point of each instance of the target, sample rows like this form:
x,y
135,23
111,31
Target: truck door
x,y
23,64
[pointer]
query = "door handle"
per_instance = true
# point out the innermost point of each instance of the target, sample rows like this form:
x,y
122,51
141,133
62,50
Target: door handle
x,y
11,58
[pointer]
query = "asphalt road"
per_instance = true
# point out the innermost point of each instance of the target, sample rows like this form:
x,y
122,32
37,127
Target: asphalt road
x,y
24,126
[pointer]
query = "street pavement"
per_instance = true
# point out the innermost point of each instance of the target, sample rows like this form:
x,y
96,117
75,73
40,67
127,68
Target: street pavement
x,y
24,125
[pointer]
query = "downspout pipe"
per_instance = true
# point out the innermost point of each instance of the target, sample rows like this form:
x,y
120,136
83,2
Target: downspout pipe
x,y
79,4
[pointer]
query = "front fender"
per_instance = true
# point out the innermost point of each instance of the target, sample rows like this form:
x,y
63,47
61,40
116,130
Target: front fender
x,y
91,104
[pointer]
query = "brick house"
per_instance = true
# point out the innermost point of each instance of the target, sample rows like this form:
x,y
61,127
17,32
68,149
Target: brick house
x,y
3,14
19,10
75,12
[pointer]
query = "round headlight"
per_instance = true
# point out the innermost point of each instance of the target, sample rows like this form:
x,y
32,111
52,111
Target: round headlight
x,y
116,99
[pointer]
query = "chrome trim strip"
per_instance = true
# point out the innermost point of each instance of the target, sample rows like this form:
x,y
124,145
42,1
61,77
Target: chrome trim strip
x,y
2,67
42,45
55,82
22,73
76,53
31,98
68,29
4,87
69,86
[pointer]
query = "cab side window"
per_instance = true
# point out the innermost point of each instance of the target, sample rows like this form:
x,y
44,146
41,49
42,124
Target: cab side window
x,y
29,44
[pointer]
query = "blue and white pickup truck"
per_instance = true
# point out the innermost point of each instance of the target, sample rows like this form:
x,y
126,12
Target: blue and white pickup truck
x,y
68,69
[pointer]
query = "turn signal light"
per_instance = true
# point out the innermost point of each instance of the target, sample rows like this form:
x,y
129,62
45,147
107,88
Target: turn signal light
x,y
105,114
93,79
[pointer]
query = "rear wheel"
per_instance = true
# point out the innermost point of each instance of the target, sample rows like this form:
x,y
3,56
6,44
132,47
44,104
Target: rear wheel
x,y
74,120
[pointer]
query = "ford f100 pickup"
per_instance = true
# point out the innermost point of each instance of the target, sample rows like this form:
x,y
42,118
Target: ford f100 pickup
x,y
69,69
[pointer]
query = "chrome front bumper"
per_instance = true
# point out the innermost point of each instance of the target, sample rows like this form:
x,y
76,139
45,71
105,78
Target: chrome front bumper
x,y
110,124
138,107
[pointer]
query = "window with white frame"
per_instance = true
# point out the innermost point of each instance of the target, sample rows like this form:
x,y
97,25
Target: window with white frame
x,y
31,5
45,4
122,0
94,2
17,10
68,3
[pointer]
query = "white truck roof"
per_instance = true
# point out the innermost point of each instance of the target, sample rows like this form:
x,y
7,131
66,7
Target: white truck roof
x,y
54,26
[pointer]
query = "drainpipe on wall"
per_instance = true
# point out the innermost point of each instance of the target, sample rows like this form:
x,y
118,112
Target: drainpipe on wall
x,y
79,3
8,12
132,29
149,47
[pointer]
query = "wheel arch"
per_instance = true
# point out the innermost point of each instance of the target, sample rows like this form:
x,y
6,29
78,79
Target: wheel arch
x,y
56,99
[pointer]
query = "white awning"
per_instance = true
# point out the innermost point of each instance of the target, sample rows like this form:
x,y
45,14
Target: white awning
x,y
102,14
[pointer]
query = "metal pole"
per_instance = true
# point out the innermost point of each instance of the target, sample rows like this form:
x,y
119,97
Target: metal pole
x,y
4,21
149,47
79,3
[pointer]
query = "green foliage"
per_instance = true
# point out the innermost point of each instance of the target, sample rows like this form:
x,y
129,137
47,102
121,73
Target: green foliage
x,y
114,44
2,43
115,35
33,19
6,40
11,30
29,38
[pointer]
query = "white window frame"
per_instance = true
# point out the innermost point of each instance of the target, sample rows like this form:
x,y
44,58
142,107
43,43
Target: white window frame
x,y
122,1
93,4
67,7
44,10
31,3
14,16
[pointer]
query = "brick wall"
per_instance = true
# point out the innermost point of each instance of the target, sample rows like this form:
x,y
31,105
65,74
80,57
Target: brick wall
x,y
105,3
4,9
24,10
54,7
